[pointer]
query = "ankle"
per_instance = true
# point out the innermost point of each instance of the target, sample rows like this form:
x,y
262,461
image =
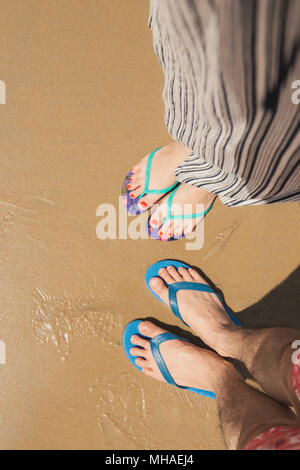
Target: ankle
x,y
230,341
225,377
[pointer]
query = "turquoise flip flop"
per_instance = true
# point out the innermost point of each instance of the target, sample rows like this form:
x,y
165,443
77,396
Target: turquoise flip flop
x,y
132,329
154,232
132,204
177,286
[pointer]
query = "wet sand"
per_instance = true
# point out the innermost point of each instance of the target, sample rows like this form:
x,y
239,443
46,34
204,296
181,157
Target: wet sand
x,y
83,105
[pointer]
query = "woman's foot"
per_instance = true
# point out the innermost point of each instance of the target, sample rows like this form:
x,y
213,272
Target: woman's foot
x,y
162,173
187,200
189,365
202,311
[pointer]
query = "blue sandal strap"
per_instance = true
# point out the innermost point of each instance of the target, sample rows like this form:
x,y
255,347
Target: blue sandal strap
x,y
155,343
170,216
147,179
174,288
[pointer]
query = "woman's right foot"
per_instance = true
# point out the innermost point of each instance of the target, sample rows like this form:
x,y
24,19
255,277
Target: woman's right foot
x,y
162,173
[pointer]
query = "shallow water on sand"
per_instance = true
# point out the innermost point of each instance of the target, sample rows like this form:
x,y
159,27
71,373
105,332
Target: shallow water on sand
x,y
83,105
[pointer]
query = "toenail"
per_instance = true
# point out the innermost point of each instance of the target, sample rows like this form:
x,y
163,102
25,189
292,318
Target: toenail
x,y
129,186
143,203
154,222
130,179
132,196
155,281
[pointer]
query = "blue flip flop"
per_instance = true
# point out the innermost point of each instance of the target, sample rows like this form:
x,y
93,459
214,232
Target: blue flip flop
x,y
132,329
154,232
132,204
177,286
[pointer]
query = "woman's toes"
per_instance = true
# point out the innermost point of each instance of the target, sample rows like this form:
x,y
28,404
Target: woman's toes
x,y
143,205
147,328
134,194
154,222
139,341
174,273
136,169
195,275
134,182
166,230
158,216
188,227
146,201
178,229
158,286
164,274
185,274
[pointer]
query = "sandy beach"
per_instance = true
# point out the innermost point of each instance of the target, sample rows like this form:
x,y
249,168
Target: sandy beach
x,y
83,105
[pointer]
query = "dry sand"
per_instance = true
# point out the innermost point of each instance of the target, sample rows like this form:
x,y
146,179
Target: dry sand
x,y
83,105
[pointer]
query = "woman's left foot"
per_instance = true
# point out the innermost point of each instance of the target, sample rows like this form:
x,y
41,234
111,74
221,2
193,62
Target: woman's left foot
x,y
187,200
189,365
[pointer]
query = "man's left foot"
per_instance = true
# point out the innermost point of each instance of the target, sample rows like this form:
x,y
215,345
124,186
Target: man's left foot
x,y
189,365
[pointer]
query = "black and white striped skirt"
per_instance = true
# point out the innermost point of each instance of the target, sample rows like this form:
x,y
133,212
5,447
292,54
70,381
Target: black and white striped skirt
x,y
230,67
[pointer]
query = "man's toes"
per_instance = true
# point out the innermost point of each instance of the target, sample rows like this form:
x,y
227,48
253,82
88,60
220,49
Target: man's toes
x,y
158,286
185,274
148,371
140,352
147,328
164,274
139,341
174,273
196,276
141,362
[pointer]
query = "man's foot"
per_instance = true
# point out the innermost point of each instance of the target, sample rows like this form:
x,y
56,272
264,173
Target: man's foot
x,y
189,365
187,200
162,174
202,311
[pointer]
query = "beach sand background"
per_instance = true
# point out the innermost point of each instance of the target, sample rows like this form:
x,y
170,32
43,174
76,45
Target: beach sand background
x,y
83,105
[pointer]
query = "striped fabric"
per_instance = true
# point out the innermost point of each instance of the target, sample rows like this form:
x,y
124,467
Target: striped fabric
x,y
229,66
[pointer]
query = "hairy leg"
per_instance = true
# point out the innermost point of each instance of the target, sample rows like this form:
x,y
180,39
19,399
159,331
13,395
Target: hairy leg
x,y
267,354
246,412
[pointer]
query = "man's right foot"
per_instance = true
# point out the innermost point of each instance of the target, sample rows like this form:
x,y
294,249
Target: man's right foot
x,y
162,173
202,311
